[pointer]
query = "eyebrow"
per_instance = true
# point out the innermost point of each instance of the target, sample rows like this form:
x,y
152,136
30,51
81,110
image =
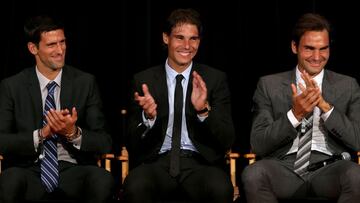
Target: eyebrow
x,y
321,48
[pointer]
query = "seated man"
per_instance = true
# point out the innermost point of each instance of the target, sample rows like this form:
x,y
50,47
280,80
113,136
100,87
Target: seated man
x,y
176,141
302,117
51,126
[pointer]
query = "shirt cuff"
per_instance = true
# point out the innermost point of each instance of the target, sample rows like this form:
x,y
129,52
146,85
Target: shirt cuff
x,y
293,120
202,118
77,142
36,139
147,122
326,115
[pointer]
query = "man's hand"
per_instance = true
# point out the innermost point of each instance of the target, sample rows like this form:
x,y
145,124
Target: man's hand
x,y
146,102
305,102
199,92
310,82
61,122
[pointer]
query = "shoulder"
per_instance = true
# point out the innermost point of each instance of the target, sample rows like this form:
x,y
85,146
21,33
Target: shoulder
x,y
332,75
278,77
150,71
73,73
21,77
207,70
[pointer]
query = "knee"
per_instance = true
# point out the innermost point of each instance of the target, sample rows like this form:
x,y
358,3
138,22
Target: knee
x,y
100,184
352,177
12,177
135,184
220,188
252,174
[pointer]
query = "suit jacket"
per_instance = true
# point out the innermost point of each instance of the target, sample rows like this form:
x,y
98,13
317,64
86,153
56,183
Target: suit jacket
x,y
272,134
21,113
212,138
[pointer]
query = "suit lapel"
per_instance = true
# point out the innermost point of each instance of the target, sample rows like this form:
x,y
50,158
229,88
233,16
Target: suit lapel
x,y
328,90
66,88
286,89
188,105
33,88
161,93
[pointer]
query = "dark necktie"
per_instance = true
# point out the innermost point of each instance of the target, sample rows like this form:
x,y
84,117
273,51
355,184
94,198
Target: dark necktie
x,y
304,147
176,133
49,163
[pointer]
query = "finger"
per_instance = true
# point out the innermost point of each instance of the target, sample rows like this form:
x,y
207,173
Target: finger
x,y
314,83
136,96
152,110
302,88
65,112
145,89
74,113
294,90
57,115
51,122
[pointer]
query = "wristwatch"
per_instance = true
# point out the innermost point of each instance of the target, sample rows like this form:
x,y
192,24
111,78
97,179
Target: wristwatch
x,y
206,109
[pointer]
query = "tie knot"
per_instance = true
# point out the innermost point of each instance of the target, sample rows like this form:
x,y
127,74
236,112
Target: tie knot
x,y
51,86
179,78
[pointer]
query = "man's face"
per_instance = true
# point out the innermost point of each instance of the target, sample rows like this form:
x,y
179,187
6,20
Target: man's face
x,y
182,43
313,51
50,53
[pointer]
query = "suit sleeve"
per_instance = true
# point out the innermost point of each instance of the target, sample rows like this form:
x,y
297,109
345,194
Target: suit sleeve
x,y
217,131
92,122
14,141
268,132
344,122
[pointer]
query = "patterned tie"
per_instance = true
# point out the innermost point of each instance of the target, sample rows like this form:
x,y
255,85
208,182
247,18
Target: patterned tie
x,y
49,163
304,146
176,134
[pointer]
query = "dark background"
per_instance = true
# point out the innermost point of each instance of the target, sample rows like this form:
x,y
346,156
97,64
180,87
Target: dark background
x,y
115,39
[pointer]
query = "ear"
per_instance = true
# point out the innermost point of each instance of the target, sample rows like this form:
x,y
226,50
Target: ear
x,y
165,38
32,48
293,47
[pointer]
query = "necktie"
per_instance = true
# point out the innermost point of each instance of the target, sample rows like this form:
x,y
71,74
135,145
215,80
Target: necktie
x,y
304,147
176,134
49,163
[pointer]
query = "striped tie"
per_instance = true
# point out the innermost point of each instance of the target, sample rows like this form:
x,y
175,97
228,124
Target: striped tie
x,y
304,147
49,164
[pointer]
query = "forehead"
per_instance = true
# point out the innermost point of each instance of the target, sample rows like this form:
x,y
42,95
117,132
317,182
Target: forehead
x,y
182,28
315,36
53,35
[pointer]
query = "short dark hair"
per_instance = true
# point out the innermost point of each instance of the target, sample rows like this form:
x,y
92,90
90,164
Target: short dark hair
x,y
37,25
181,16
309,22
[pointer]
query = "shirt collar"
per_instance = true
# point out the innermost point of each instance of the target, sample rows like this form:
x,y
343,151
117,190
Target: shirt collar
x,y
318,78
171,73
44,81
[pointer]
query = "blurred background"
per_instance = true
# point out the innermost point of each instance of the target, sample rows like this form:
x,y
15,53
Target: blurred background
x,y
113,40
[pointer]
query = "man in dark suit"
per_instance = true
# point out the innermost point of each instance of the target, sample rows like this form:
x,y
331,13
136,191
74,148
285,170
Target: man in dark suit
x,y
306,102
73,121
204,119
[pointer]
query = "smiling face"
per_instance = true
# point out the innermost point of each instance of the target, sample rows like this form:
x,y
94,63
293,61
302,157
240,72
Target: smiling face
x,y
50,52
313,51
183,43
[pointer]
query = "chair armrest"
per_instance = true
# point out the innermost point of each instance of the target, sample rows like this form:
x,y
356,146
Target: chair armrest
x,y
232,156
124,158
251,157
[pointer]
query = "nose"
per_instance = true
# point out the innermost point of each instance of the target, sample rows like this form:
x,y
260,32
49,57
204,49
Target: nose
x,y
316,54
187,44
60,48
